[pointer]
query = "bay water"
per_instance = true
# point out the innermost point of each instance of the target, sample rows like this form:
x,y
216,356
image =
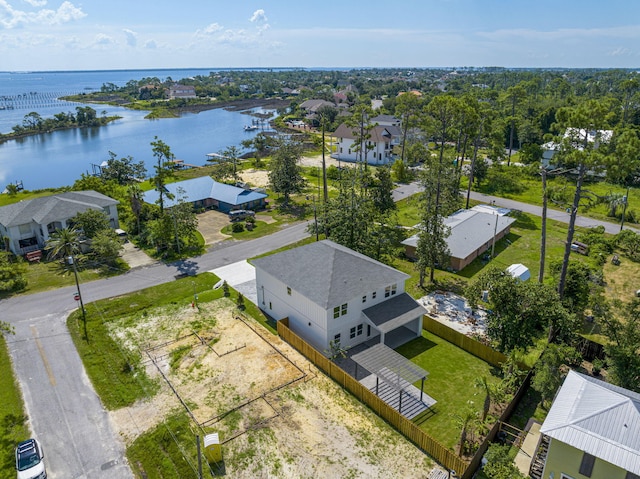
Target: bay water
x,y
59,158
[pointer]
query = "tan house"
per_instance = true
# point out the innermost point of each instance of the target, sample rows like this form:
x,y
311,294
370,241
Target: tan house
x,y
181,91
472,233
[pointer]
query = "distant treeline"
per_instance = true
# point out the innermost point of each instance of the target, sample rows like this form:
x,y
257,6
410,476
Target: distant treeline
x,y
33,123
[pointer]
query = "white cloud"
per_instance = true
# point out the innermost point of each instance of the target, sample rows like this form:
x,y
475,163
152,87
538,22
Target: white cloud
x,y
620,51
132,37
150,45
259,17
213,28
36,3
11,17
103,40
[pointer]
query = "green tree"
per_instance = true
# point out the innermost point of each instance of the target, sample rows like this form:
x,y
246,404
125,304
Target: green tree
x,y
550,370
500,464
408,108
285,175
623,347
326,116
91,222
163,169
106,247
519,311
512,98
381,191
63,243
135,195
440,198
124,171
583,129
12,274
231,155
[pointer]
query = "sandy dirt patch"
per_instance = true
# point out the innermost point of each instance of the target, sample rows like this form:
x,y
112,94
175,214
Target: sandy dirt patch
x,y
454,311
277,416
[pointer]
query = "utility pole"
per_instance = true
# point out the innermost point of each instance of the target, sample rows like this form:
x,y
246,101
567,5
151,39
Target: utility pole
x,y
72,262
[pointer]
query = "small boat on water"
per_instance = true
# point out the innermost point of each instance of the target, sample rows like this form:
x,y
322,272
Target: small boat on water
x,y
250,127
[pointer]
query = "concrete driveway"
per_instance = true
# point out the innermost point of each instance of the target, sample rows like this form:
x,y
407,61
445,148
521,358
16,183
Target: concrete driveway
x,y
209,225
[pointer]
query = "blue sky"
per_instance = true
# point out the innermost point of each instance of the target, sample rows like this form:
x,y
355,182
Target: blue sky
x,y
125,34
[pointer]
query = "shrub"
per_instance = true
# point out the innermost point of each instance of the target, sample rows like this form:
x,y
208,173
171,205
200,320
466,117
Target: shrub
x,y
237,228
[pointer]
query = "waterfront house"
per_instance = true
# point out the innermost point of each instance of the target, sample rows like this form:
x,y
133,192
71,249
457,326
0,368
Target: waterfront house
x,y
472,232
592,430
28,224
332,293
205,193
181,91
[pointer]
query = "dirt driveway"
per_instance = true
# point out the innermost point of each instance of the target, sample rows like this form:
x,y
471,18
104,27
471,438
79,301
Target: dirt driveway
x,y
210,223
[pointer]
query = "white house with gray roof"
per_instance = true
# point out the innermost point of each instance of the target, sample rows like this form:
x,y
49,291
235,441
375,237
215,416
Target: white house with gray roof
x,y
594,431
29,223
331,293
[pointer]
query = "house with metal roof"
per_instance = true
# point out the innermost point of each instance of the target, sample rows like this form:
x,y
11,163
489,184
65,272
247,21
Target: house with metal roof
x,y
332,293
378,147
593,429
472,232
27,225
205,192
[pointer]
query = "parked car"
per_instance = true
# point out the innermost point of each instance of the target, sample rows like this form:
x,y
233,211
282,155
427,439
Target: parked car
x,y
30,460
237,215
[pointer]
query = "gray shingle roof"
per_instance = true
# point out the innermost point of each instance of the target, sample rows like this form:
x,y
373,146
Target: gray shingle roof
x,y
53,208
394,312
378,133
329,274
598,418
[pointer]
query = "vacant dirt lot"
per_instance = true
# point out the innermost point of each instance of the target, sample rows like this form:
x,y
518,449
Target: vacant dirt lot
x,y
276,415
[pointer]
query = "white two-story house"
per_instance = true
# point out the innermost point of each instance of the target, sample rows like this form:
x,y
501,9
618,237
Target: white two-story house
x,y
378,148
331,293
27,225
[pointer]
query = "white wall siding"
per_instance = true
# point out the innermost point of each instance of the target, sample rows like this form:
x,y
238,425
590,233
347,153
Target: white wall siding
x,y
305,317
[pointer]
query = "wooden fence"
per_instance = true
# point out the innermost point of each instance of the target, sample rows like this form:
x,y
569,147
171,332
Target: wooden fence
x,y
482,351
420,438
424,441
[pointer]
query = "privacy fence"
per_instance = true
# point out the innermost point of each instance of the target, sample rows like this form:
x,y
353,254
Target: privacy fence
x,y
443,455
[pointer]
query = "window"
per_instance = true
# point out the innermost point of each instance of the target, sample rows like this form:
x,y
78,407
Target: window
x,y
336,339
364,298
24,229
352,333
288,290
359,329
586,466
394,288
373,295
336,312
270,305
387,291
344,309
368,330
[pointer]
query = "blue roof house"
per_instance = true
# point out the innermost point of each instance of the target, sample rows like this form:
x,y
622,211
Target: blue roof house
x,y
205,192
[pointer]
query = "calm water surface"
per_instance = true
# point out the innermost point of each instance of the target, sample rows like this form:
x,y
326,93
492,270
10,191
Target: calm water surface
x,y
59,158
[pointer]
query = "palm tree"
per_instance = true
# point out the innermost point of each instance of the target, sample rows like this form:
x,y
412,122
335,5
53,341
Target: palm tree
x,y
63,243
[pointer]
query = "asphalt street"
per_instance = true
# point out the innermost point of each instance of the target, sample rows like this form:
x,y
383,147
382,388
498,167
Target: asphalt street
x,y
65,413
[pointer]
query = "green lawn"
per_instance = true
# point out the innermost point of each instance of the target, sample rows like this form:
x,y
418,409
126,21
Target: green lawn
x,y
452,374
13,421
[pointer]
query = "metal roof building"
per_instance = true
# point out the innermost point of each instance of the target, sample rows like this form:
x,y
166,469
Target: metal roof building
x,y
597,418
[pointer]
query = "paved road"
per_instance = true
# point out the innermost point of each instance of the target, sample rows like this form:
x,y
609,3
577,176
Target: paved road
x,y
405,191
65,412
